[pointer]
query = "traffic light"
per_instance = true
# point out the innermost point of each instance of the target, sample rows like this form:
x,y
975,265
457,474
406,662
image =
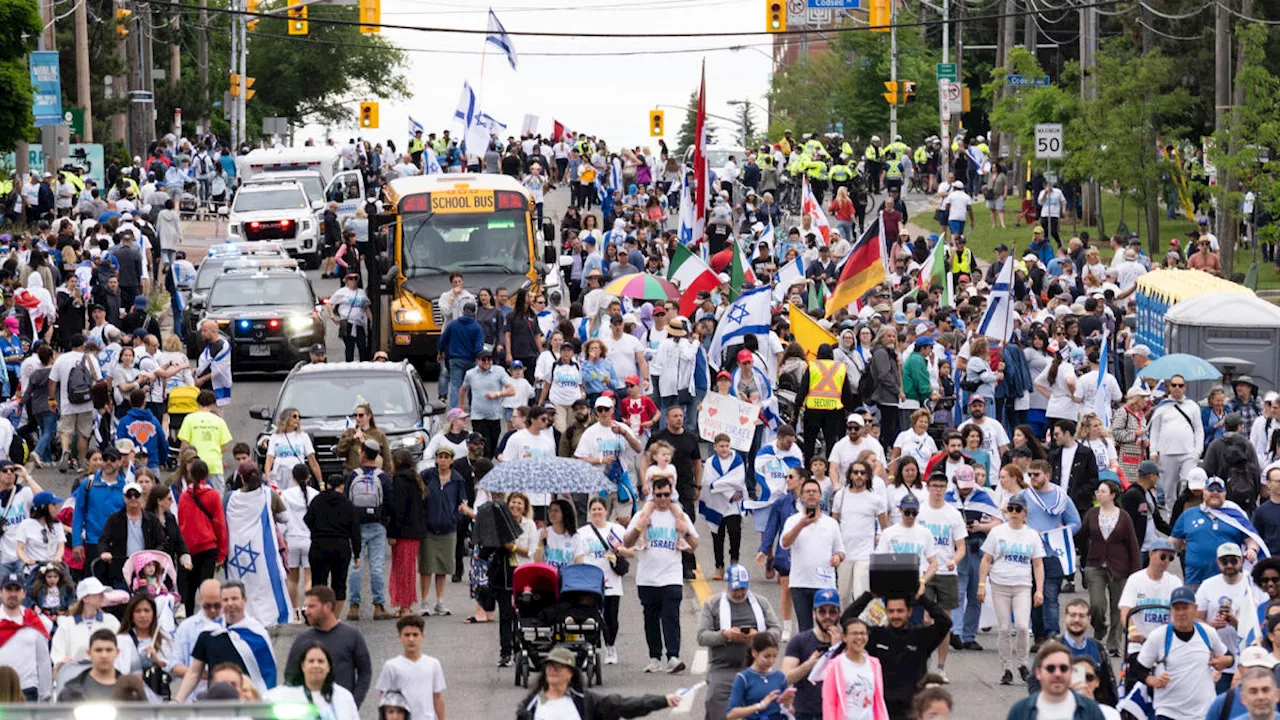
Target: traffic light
x,y
297,18
775,16
370,16
657,119
891,96
878,15
908,92
122,21
368,115
252,6
249,92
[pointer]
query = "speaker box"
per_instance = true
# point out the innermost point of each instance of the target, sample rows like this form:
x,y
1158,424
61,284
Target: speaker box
x,y
895,575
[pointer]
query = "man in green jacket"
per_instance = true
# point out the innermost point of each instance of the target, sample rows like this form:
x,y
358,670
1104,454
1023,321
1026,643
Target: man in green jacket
x,y
915,373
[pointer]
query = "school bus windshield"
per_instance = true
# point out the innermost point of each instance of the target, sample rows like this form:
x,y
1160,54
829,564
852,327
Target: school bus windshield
x,y
439,243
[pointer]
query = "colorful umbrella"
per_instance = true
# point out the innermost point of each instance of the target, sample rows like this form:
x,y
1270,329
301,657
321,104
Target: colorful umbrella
x,y
642,286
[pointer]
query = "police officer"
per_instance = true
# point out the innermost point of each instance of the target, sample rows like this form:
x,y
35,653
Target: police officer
x,y
416,146
872,160
960,259
825,394
816,170
840,175
893,155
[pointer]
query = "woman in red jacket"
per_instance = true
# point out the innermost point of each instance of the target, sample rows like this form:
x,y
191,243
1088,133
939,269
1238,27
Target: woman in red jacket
x,y
204,530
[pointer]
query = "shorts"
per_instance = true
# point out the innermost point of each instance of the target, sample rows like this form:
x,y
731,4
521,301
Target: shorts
x,y
436,554
996,203
298,554
79,424
957,227
944,590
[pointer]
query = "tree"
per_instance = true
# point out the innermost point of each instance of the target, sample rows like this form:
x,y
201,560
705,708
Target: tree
x,y
689,127
19,28
747,132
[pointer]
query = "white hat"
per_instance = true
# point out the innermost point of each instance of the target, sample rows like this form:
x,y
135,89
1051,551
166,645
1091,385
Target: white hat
x,y
604,401
1142,350
89,586
1271,397
1196,478
1256,656
956,184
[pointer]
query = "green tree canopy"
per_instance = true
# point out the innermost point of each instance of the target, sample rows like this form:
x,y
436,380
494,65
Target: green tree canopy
x,y
19,29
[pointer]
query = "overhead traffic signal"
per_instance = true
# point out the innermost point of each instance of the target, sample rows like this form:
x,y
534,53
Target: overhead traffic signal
x,y
908,92
878,15
252,7
370,16
891,96
249,92
368,115
297,18
122,21
657,121
775,16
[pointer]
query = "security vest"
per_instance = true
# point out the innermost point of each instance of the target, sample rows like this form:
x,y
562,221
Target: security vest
x,y
797,164
872,153
764,160
986,149
846,150
897,150
893,168
817,170
785,146
826,385
76,182
813,147
415,145
921,155
134,184
440,146
839,173
963,263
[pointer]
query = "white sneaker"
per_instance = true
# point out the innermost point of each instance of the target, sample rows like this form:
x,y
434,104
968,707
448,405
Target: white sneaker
x,y
675,665
655,666
610,655
942,674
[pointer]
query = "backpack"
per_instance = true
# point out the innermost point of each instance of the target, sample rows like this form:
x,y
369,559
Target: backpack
x,y
365,490
1242,485
867,382
80,382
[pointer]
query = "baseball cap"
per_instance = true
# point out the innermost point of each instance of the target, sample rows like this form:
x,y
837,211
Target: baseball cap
x,y
826,597
604,402
1271,397
724,374
854,419
446,449
517,364
1215,483
89,586
11,580
924,341
131,486
317,349
738,577
486,353
1182,596
1161,544
964,477
744,356
1196,479
125,445
1015,500
140,301
1142,350
45,498
909,502
615,319
456,414
111,453
1256,656
1229,549
977,399
632,380
1148,467
371,444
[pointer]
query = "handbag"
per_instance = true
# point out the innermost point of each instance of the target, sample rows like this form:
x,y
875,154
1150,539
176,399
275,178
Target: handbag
x,y
619,564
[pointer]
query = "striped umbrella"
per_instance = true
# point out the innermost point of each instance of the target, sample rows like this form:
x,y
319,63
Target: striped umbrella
x,y
642,286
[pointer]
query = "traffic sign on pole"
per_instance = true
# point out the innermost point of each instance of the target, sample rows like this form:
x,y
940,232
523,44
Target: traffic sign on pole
x,y
947,71
1049,141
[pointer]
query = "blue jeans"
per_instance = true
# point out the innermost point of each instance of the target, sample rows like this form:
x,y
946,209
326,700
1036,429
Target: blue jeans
x,y
48,424
964,619
1044,619
373,542
457,370
802,601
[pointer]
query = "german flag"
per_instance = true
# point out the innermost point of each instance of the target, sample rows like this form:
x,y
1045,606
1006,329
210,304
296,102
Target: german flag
x,y
863,269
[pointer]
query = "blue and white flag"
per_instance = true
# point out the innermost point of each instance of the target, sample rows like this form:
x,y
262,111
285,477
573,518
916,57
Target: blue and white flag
x,y
1059,543
253,643
493,126
498,37
687,217
1137,702
767,237
253,558
787,274
1102,398
723,479
431,163
772,466
749,314
997,323
978,501
1231,514
415,126
468,110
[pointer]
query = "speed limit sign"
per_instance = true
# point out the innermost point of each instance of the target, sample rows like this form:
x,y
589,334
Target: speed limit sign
x,y
1049,140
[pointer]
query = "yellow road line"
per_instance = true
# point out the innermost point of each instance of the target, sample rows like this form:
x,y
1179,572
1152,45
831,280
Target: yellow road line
x,y
700,587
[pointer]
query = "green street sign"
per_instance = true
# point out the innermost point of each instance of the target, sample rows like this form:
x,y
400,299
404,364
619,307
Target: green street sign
x,y
74,117
947,71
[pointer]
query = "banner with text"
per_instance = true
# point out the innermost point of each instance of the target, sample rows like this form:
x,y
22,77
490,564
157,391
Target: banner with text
x,y
729,415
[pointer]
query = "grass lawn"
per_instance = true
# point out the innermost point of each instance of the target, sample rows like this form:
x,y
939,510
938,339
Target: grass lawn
x,y
982,239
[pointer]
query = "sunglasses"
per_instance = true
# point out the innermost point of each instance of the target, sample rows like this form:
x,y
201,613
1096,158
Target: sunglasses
x,y
1015,509
1168,557
1229,560
1034,473
857,472
360,414
211,606
1177,385
133,494
910,513
1064,668
662,495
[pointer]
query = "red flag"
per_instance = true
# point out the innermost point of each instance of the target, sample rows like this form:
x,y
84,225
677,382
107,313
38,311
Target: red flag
x,y
700,177
558,130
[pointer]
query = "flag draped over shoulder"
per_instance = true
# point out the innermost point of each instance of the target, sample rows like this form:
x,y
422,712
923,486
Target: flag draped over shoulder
x,y
253,558
863,269
750,313
723,479
808,332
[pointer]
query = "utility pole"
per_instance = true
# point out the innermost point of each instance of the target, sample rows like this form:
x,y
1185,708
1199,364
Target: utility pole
x,y
944,106
242,24
1029,35
83,86
53,138
959,40
1089,91
893,72
1226,217
230,108
1004,56
202,62
175,52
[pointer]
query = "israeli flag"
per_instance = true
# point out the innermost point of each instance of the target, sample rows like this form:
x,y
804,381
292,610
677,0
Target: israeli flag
x,y
997,323
787,274
723,479
415,126
1101,398
253,558
498,37
1059,543
1231,514
750,313
687,218
772,466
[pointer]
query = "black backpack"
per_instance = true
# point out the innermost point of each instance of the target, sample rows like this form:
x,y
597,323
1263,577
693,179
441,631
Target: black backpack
x,y
80,382
1242,485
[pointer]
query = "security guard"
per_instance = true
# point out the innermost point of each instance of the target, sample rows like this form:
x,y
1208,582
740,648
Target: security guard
x,y
416,146
840,176
871,163
893,155
826,395
920,161
960,259
813,146
786,144
816,169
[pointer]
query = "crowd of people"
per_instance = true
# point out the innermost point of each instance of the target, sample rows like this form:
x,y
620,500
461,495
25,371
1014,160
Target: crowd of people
x,y
1006,469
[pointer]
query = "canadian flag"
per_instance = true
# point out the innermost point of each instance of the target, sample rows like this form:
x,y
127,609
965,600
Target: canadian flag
x,y
809,206
559,131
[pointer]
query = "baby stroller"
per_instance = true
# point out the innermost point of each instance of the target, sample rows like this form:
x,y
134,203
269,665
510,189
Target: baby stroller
x,y
161,584
535,588
581,617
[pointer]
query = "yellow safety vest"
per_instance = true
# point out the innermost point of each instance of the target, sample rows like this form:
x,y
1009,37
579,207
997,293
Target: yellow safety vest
x,y
921,155
415,145
76,183
813,147
846,149
893,169
839,173
963,263
764,160
817,170
785,146
826,385
872,154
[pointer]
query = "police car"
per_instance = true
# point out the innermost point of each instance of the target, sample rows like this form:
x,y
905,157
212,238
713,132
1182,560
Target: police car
x,y
279,211
196,292
268,311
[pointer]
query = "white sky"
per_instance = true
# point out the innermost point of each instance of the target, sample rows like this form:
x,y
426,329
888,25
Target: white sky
x,y
605,96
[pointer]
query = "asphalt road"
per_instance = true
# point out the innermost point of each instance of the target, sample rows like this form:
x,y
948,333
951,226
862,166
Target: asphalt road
x,y
477,688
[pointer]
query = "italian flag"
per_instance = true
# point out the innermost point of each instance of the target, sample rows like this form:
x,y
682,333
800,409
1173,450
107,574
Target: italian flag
x,y
935,272
692,276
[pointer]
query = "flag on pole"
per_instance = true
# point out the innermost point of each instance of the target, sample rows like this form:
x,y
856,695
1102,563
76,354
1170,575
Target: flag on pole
x,y
767,237
687,219
700,176
468,113
863,269
558,130
1060,543
808,332
935,273
1101,398
787,275
817,297
809,206
415,126
498,36
750,313
692,276
488,123
997,323
740,271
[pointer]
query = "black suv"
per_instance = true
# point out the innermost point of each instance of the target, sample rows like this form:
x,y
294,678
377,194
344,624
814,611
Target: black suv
x,y
269,313
326,395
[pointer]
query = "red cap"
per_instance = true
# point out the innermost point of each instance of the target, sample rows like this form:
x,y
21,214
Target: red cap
x,y
632,380
724,374
745,356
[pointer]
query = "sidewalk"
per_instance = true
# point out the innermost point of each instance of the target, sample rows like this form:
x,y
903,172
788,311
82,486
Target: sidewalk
x,y
198,235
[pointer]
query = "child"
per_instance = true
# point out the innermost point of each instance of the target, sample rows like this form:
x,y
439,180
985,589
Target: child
x,y
818,468
522,397
417,676
242,454
297,535
335,537
724,481
638,410
53,593
660,455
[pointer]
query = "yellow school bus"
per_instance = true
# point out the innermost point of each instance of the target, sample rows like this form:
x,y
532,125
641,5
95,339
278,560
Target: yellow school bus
x,y
481,226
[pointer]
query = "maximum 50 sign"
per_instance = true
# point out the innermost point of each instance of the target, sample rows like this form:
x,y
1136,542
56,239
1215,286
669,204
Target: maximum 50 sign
x,y
1049,140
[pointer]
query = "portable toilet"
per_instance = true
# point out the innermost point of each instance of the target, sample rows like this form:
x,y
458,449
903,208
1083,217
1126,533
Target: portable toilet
x,y
1238,332
1160,290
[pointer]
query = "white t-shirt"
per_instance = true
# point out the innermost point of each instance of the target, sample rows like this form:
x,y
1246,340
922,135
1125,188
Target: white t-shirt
x,y
859,688
342,706
993,438
1064,709
524,444
1087,387
622,353
1141,591
40,541
62,370
600,441
859,513
289,449
296,530
1190,690
957,204
418,681
1061,405
914,540
844,453
566,384
894,495
658,562
921,447
352,305
811,552
522,396
946,524
1216,592
13,514
1012,552
594,551
558,709
560,548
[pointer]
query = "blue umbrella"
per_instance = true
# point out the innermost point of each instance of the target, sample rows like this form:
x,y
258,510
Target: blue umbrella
x,y
106,216
545,475
1190,367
